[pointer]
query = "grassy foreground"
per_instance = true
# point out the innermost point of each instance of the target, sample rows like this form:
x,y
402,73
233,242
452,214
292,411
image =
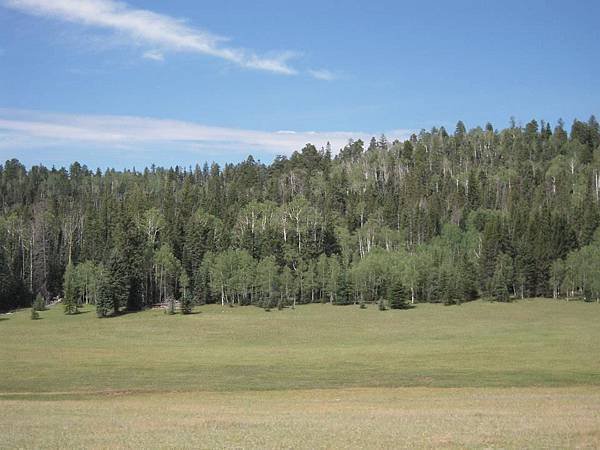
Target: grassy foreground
x,y
312,419
478,375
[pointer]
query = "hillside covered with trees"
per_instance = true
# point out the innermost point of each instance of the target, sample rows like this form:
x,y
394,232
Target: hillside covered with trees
x,y
441,217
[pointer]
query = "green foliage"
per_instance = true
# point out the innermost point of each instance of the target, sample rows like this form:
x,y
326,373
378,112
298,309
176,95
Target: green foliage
x,y
166,269
34,314
71,291
267,280
502,278
398,295
435,213
39,304
186,295
170,306
117,280
103,299
582,271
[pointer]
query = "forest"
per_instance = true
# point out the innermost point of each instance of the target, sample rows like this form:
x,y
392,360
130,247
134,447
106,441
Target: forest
x,y
442,217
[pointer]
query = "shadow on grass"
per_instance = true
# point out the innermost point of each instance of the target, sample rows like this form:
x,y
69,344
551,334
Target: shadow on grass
x,y
404,308
178,313
388,308
122,313
127,312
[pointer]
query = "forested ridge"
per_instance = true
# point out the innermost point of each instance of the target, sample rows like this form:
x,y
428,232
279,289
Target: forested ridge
x,y
441,217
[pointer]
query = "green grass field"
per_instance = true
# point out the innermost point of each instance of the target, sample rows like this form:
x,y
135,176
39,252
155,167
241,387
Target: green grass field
x,y
478,375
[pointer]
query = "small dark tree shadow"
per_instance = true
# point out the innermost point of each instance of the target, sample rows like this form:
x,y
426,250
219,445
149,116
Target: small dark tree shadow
x,y
404,308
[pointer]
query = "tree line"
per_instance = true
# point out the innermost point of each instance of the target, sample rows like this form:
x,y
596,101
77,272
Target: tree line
x,y
440,217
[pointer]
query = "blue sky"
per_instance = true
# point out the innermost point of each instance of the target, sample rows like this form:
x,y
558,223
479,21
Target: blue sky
x,y
133,83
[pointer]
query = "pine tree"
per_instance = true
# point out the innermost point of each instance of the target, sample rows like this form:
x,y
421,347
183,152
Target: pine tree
x,y
491,246
117,283
103,300
186,296
170,306
34,314
39,304
129,244
502,278
343,289
398,296
70,288
467,279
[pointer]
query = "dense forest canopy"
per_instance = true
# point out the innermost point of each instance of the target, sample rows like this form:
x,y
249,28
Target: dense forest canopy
x,y
441,217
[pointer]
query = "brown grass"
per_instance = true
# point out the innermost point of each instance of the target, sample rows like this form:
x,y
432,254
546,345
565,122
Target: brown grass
x,y
331,418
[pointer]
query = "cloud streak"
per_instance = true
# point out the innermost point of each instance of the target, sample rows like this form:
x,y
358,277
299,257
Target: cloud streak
x,y
322,74
154,55
28,129
160,32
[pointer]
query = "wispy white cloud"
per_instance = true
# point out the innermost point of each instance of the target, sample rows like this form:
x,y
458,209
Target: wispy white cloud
x,y
322,74
28,129
154,55
160,32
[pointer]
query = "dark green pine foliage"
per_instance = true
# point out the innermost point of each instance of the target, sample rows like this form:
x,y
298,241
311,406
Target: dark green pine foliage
x,y
589,219
71,292
103,299
466,279
117,283
398,295
343,292
502,278
39,304
186,303
491,246
186,300
129,246
13,292
540,234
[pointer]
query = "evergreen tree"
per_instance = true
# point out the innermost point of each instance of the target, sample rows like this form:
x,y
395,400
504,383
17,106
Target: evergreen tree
x,y
186,295
103,300
502,278
70,288
39,303
343,289
398,296
115,287
491,247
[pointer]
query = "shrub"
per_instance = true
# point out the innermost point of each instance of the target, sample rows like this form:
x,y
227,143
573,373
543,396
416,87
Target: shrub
x,y
39,303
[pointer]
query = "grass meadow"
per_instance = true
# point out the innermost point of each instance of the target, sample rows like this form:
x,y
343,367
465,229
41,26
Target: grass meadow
x,y
525,374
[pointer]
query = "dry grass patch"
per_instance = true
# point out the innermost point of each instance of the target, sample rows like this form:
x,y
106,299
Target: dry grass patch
x,y
338,418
